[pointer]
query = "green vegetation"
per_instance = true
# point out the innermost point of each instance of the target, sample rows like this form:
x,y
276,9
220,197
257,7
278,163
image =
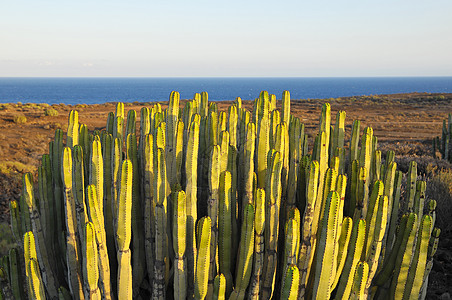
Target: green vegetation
x,y
20,119
50,112
200,203
439,187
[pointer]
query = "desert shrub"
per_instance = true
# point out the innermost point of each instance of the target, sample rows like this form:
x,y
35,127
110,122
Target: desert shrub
x,y
439,187
20,119
51,112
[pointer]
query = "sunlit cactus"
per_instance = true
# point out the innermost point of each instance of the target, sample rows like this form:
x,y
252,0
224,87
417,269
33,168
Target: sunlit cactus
x,y
203,202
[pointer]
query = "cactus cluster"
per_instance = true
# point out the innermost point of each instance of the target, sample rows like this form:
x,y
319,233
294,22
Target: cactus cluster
x,y
442,144
207,204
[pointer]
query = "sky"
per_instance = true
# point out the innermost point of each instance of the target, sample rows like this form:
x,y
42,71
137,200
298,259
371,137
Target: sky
x,y
180,38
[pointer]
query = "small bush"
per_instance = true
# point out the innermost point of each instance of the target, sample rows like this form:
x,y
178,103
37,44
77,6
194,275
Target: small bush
x,y
439,187
20,119
51,112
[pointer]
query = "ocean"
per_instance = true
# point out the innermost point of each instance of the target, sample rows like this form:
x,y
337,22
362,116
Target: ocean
x,y
101,90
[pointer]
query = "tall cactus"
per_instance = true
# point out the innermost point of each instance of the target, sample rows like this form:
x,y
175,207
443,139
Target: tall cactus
x,y
124,231
48,275
73,249
179,233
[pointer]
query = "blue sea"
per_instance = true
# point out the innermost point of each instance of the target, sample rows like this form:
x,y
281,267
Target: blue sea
x,y
100,90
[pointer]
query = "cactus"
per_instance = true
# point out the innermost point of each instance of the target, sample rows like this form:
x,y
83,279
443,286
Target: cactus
x,y
294,221
179,230
91,269
245,259
73,250
124,231
203,258
47,273
289,289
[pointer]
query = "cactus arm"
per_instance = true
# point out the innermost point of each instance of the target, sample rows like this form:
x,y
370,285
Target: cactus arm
x,y
305,254
249,155
219,287
73,129
371,219
48,276
56,158
259,224
325,265
212,209
289,290
343,244
101,237
203,259
73,246
96,173
417,268
15,274
107,150
359,281
373,253
262,141
138,252
131,122
246,250
35,281
16,223
191,169
411,186
124,231
179,245
161,217
91,269
395,211
225,229
148,193
118,127
353,256
403,261
273,202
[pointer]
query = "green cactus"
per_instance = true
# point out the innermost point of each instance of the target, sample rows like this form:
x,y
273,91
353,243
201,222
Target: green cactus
x,y
48,275
124,231
161,261
225,229
35,281
325,267
359,281
101,240
354,252
73,247
259,224
179,245
417,268
73,129
204,228
289,289
91,269
15,274
219,287
246,249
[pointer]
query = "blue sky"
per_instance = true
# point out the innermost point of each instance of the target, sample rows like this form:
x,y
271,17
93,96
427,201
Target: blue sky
x,y
225,38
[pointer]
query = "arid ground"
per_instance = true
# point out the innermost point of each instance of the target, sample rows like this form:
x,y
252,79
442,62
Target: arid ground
x,y
405,123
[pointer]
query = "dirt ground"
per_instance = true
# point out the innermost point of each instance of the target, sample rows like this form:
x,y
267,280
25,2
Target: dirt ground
x,y
406,123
